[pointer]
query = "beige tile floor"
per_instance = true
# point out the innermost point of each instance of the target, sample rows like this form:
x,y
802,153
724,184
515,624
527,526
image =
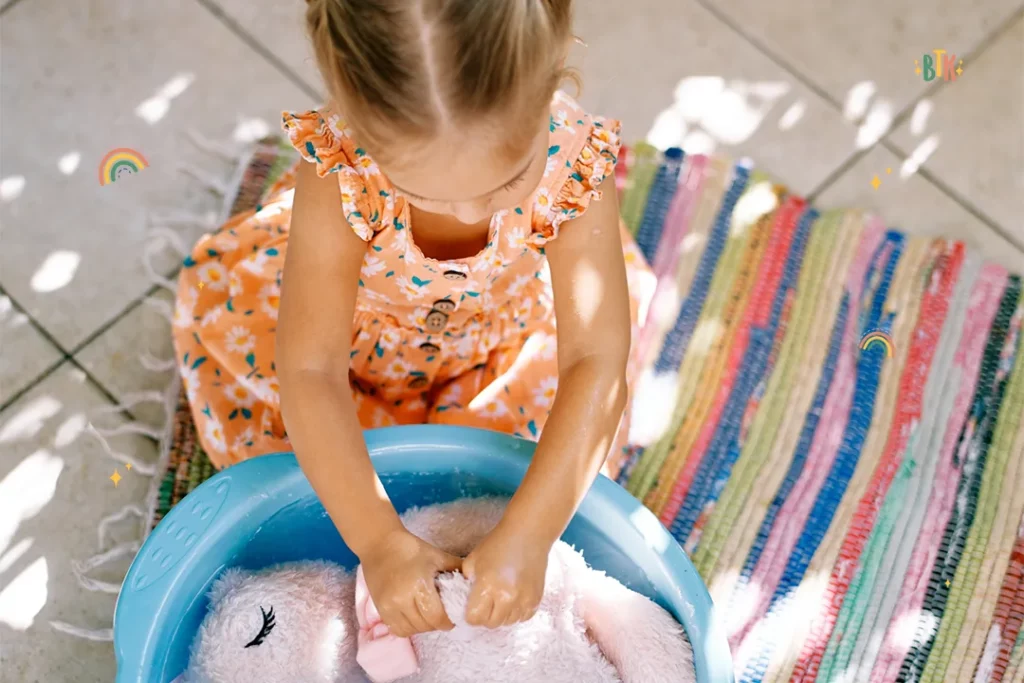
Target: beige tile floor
x,y
822,95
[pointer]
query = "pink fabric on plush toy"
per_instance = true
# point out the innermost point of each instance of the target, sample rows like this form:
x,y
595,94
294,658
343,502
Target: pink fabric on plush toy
x,y
384,657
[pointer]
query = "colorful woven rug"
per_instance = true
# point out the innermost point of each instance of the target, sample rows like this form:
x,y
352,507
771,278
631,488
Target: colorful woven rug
x,y
831,421
844,458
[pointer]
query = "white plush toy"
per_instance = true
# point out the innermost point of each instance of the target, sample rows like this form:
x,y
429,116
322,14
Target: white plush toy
x,y
297,623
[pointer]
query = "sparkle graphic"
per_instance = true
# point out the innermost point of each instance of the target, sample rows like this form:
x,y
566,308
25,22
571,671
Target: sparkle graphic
x,y
875,182
960,68
115,477
128,465
917,68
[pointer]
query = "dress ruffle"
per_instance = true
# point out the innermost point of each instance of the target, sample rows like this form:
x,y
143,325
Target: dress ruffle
x,y
596,161
321,138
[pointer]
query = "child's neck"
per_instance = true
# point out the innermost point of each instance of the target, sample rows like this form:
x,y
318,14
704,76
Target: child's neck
x,y
444,238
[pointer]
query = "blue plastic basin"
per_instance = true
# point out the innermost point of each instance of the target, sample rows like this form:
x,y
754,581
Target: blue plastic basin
x,y
263,511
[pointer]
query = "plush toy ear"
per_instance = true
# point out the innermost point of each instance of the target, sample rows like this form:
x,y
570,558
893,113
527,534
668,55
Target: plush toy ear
x,y
642,640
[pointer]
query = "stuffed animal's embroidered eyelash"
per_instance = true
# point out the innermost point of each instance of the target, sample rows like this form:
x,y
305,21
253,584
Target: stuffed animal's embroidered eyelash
x,y
269,622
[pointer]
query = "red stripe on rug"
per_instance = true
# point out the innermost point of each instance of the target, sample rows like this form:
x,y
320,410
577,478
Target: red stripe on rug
x,y
758,311
910,399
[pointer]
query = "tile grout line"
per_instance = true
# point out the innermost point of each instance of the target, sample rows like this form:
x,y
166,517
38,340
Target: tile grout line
x,y
889,144
129,307
247,38
232,25
33,383
8,6
996,33
769,53
69,356
970,207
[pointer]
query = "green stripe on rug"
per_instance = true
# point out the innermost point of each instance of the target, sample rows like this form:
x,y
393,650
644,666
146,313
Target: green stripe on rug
x,y
962,586
819,254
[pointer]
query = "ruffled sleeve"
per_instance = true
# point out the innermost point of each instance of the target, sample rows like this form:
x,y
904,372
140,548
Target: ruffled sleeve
x,y
591,159
321,138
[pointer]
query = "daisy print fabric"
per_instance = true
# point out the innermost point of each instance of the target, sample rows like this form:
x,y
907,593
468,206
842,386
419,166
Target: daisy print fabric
x,y
468,341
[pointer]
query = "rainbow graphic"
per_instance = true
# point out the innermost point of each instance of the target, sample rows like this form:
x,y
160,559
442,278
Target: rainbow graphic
x,y
877,336
120,162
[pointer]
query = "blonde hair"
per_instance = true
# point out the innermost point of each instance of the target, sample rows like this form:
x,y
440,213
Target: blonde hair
x,y
415,68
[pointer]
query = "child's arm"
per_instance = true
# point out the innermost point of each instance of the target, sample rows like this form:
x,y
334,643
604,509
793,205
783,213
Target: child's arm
x,y
314,337
588,276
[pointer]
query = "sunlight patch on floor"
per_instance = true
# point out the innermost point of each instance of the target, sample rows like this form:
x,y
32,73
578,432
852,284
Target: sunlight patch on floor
x,y
857,100
919,119
56,271
709,110
16,552
156,107
758,201
26,490
876,124
26,422
25,596
250,130
920,155
69,162
11,187
654,400
793,115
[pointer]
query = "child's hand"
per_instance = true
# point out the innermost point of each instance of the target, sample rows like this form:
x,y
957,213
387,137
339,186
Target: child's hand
x,y
400,573
507,570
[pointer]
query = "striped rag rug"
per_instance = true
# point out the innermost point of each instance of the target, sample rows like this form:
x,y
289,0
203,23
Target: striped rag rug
x,y
831,422
856,512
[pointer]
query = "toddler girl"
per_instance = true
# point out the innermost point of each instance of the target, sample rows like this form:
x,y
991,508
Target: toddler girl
x,y
450,207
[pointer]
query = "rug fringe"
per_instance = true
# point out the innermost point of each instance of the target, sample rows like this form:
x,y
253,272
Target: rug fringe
x,y
139,397
187,219
162,234
139,466
154,364
162,307
102,635
206,178
149,251
80,567
227,151
140,428
170,238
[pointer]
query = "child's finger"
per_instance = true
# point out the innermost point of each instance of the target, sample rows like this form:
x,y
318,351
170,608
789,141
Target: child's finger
x,y
514,616
479,607
528,613
469,568
428,601
399,625
449,563
416,620
500,613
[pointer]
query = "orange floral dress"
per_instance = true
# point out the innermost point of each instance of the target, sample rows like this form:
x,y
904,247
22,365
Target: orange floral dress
x,y
468,341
